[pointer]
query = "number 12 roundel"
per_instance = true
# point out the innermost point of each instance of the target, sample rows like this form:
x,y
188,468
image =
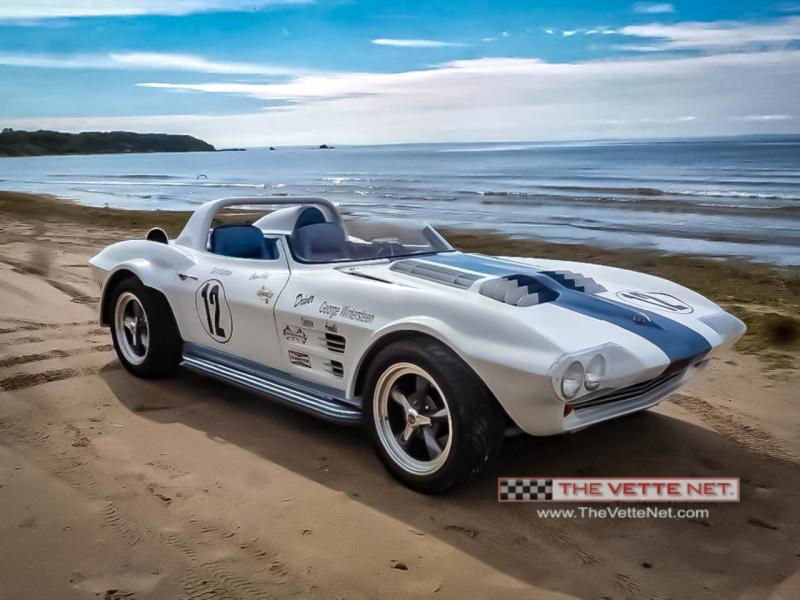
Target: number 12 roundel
x,y
213,310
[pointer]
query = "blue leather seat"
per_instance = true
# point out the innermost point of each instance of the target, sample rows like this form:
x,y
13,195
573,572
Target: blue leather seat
x,y
242,241
319,242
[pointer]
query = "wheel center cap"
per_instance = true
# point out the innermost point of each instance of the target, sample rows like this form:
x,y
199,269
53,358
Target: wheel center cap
x,y
411,417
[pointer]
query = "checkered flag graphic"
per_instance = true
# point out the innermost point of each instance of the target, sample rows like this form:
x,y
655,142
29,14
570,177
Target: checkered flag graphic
x,y
524,490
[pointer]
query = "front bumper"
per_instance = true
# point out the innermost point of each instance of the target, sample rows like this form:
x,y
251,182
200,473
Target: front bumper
x,y
634,398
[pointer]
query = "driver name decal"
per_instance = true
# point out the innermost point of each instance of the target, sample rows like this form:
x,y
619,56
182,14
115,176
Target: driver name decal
x,y
346,312
213,310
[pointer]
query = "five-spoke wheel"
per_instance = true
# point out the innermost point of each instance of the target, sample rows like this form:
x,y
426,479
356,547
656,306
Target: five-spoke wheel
x,y
131,320
143,328
413,418
431,419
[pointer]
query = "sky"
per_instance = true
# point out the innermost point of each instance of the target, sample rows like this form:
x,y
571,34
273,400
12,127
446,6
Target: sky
x,y
285,72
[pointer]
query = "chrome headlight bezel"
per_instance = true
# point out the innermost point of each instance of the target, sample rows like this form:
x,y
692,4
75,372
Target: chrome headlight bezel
x,y
572,380
612,363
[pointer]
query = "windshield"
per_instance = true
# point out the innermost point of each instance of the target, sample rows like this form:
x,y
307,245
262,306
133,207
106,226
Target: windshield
x,y
365,239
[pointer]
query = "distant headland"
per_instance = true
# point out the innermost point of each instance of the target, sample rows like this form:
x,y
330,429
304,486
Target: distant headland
x,y
40,143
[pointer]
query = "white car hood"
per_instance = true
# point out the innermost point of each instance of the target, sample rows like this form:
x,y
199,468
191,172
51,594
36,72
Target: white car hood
x,y
679,321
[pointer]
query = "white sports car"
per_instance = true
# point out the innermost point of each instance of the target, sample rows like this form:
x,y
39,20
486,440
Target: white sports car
x,y
438,353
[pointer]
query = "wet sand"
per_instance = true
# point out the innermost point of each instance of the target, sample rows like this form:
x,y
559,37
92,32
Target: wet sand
x,y
115,487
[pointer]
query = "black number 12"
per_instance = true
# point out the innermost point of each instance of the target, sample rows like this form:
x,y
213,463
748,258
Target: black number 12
x,y
211,299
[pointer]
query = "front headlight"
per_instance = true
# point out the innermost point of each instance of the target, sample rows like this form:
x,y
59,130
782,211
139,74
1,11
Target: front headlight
x,y
572,380
592,370
595,371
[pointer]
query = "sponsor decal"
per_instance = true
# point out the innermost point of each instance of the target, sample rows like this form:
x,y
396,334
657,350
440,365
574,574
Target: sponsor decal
x,y
295,334
258,276
265,294
656,301
301,359
221,271
306,322
303,299
213,310
331,327
333,311
618,489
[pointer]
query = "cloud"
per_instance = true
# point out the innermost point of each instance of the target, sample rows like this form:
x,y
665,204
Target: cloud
x,y
148,61
653,8
571,32
507,98
715,35
412,43
766,118
48,9
189,62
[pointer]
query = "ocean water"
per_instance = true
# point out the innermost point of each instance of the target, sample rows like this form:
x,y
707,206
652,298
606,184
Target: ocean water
x,y
719,197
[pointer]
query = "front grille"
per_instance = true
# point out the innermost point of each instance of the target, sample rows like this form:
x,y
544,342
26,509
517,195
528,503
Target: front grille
x,y
632,391
335,343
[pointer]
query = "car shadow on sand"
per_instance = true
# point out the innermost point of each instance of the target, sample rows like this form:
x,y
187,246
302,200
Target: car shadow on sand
x,y
740,550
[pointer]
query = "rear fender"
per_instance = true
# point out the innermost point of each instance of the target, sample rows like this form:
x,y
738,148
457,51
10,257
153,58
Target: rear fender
x,y
155,265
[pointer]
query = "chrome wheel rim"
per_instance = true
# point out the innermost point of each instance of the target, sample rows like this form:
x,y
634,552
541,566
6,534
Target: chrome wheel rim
x,y
133,331
412,418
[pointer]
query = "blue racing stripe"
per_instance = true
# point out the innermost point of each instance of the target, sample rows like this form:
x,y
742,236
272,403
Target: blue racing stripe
x,y
675,340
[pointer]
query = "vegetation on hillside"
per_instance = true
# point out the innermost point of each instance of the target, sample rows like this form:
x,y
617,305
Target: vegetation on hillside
x,y
43,142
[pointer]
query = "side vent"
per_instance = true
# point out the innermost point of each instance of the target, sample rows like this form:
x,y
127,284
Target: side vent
x,y
518,290
575,281
435,273
335,342
335,368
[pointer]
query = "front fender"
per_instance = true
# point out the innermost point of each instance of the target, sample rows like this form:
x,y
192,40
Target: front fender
x,y
527,397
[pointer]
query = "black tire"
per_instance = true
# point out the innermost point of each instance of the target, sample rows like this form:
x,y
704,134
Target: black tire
x,y
163,352
477,421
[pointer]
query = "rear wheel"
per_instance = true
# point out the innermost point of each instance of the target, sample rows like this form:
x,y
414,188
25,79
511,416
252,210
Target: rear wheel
x,y
432,421
143,329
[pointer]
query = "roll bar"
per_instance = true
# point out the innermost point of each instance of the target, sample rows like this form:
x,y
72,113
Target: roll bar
x,y
195,232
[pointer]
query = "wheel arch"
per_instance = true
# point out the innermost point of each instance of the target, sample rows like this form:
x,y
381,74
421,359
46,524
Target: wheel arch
x,y
120,274
403,332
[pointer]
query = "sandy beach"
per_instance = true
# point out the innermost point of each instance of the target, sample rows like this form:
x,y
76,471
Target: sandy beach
x,y
119,488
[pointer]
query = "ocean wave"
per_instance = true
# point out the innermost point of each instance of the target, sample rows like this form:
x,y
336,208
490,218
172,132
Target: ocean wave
x,y
204,184
130,176
736,194
643,191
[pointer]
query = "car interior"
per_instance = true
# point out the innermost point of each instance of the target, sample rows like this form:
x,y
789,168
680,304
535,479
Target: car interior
x,y
311,239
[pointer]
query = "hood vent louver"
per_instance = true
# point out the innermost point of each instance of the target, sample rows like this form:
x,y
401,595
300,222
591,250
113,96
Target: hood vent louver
x,y
518,290
445,276
575,281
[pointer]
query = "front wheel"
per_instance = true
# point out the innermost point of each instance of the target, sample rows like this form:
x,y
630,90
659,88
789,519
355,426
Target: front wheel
x,y
431,420
143,329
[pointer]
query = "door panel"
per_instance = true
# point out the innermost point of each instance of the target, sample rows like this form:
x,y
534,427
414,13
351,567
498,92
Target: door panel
x,y
228,304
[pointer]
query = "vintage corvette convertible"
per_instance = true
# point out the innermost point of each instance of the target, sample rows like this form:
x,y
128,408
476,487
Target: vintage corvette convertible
x,y
438,353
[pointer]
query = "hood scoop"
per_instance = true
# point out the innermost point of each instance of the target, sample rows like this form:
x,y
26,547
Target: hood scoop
x,y
575,281
438,274
518,290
